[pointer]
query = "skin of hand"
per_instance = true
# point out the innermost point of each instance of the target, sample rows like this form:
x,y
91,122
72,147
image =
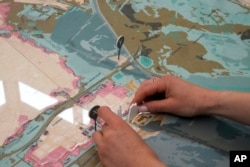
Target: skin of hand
x,y
119,145
186,99
171,94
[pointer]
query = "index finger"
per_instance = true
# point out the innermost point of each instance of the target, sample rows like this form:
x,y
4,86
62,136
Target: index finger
x,y
107,115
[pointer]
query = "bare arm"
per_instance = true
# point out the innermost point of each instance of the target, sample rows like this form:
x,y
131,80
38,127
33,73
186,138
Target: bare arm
x,y
232,105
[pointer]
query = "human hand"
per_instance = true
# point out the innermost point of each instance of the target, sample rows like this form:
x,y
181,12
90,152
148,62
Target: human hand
x,y
119,145
171,94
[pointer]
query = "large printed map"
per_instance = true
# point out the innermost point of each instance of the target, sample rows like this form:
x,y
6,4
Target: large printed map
x,y
59,58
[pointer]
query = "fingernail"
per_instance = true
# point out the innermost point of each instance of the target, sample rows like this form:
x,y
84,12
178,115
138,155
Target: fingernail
x,y
143,109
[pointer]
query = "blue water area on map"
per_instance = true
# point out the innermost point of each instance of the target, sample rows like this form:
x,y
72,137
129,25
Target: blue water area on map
x,y
146,62
198,12
87,33
222,83
120,78
177,151
246,62
211,158
68,25
4,33
43,13
88,36
89,43
226,48
31,131
87,69
118,75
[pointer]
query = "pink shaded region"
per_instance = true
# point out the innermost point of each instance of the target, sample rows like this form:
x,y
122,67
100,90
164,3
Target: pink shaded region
x,y
62,62
86,98
4,9
107,88
55,158
116,90
120,92
75,82
104,90
22,121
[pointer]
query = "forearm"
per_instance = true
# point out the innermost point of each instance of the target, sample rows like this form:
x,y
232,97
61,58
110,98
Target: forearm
x,y
229,104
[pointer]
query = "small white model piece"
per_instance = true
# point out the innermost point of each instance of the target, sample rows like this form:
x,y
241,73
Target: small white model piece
x,y
132,111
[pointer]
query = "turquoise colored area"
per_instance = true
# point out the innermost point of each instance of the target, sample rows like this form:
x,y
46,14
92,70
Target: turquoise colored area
x,y
225,48
33,14
121,78
31,24
4,33
118,76
37,32
68,25
146,62
87,39
76,28
112,6
84,68
236,83
198,11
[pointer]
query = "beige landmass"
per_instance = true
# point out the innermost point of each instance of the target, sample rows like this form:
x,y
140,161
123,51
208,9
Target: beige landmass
x,y
23,63
121,60
244,3
46,26
61,133
45,3
79,2
186,57
66,132
22,23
